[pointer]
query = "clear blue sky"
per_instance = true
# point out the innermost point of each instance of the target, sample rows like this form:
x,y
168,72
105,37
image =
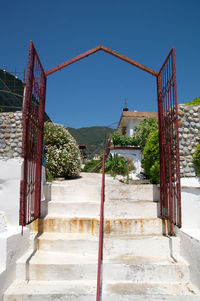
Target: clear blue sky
x,y
92,91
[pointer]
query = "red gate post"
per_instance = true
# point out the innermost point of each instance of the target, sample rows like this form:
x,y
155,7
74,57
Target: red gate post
x,y
169,143
33,122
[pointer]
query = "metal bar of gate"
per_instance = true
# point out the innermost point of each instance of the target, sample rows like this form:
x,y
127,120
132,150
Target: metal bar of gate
x,y
100,254
170,195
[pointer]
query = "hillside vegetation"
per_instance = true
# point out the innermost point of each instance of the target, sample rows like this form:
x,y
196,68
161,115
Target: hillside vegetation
x,y
93,137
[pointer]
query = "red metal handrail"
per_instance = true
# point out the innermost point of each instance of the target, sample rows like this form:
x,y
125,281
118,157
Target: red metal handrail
x,y
100,254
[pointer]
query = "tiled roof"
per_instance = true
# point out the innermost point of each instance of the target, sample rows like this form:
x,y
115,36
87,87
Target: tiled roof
x,y
140,114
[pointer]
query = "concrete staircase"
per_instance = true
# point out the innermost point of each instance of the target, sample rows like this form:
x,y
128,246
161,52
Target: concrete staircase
x,y
140,263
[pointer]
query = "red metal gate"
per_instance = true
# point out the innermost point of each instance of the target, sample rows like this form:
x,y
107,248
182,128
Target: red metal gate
x,y
170,197
33,123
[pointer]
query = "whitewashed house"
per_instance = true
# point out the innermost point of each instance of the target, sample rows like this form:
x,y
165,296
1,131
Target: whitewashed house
x,y
127,123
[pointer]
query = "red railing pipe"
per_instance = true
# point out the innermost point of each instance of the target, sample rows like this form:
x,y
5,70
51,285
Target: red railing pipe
x,y
100,254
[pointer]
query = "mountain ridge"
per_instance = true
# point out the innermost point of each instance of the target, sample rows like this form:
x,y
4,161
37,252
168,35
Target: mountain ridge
x,y
93,137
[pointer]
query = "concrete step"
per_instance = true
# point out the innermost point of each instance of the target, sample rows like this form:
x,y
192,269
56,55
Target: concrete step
x,y
51,291
66,225
88,187
120,191
130,209
74,209
145,246
112,209
128,291
148,226
86,291
149,246
137,226
58,266
143,269
75,190
69,243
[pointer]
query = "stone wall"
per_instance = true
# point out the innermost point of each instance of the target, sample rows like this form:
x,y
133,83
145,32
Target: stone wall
x,y
11,135
189,137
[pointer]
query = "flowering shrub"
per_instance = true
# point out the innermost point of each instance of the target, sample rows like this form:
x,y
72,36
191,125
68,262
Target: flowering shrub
x,y
116,165
62,153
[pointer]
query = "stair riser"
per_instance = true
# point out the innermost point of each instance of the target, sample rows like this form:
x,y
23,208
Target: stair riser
x,y
85,209
145,247
86,191
133,226
132,297
72,193
50,297
147,289
76,297
120,209
69,246
63,225
63,272
132,192
91,226
115,209
145,273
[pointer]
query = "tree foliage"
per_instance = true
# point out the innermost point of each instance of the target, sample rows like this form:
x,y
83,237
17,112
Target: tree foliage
x,y
150,160
119,139
142,131
195,101
196,159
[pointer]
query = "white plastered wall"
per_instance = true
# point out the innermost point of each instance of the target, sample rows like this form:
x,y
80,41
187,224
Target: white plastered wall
x,y
134,154
12,244
131,126
190,232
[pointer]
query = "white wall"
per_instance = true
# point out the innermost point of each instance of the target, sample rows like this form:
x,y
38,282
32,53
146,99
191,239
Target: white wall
x,y
131,125
12,244
134,154
10,176
191,210
189,234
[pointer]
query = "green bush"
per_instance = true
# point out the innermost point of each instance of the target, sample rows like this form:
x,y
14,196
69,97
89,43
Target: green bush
x,y
116,138
116,165
155,173
196,159
142,131
150,161
195,101
93,165
125,140
62,153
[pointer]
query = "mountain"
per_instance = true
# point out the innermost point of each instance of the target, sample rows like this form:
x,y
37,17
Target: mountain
x,y
93,137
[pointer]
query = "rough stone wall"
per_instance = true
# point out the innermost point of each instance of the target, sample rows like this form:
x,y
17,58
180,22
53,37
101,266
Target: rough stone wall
x,y
11,134
189,137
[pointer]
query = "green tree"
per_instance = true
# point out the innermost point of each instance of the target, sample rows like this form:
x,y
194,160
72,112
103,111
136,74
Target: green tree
x,y
196,159
195,101
150,161
142,131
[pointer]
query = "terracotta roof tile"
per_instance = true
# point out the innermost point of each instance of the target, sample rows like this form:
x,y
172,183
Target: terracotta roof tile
x,y
140,114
